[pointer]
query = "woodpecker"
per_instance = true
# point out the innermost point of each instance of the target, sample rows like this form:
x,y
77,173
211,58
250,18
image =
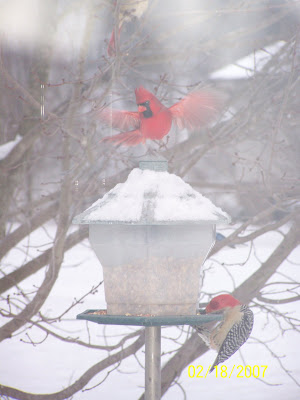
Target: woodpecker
x,y
232,332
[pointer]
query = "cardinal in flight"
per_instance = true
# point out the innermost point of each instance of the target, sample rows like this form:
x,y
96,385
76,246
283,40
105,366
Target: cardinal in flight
x,y
153,120
129,9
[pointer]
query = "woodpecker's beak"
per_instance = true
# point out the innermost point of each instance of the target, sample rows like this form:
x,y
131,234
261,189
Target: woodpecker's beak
x,y
215,312
141,108
209,310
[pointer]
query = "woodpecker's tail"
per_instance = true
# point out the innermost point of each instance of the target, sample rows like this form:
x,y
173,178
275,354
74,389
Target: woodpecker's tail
x,y
213,367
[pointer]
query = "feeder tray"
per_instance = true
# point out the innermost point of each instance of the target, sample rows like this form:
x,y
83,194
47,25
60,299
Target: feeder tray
x,y
101,317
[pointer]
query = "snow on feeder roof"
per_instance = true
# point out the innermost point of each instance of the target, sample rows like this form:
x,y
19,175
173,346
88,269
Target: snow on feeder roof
x,y
152,197
151,235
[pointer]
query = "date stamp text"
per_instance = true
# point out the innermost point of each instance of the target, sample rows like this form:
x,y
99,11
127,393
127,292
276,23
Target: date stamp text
x,y
239,371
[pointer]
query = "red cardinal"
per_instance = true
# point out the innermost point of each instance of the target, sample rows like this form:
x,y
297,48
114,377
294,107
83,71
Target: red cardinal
x,y
153,120
128,10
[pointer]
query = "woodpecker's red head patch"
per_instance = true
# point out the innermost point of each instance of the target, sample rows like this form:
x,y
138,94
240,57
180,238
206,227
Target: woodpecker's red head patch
x,y
220,302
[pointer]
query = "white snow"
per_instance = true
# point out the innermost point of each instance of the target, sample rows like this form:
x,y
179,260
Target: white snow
x,y
247,66
149,196
7,147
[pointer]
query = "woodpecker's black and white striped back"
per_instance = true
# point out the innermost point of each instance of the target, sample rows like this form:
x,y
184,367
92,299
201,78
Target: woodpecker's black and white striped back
x,y
236,336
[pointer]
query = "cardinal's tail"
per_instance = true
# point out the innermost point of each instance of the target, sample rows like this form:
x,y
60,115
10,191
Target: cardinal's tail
x,y
132,138
111,49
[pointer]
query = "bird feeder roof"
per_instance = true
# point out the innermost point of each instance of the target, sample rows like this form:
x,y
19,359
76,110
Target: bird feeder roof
x,y
152,197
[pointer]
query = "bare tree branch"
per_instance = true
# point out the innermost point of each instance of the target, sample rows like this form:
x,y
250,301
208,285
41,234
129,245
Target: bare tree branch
x,y
82,381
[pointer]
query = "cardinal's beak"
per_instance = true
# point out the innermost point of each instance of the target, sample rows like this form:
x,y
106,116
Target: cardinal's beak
x,y
141,109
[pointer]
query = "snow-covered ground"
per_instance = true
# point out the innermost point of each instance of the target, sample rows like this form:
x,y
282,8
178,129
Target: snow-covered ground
x,y
53,364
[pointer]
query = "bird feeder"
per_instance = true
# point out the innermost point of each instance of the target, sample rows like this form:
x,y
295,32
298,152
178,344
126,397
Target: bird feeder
x,y
151,235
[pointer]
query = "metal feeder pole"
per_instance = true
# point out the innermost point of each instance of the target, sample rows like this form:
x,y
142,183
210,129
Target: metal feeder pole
x,y
152,338
152,363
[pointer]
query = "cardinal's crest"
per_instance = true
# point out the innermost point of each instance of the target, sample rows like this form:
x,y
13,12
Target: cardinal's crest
x,y
142,95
